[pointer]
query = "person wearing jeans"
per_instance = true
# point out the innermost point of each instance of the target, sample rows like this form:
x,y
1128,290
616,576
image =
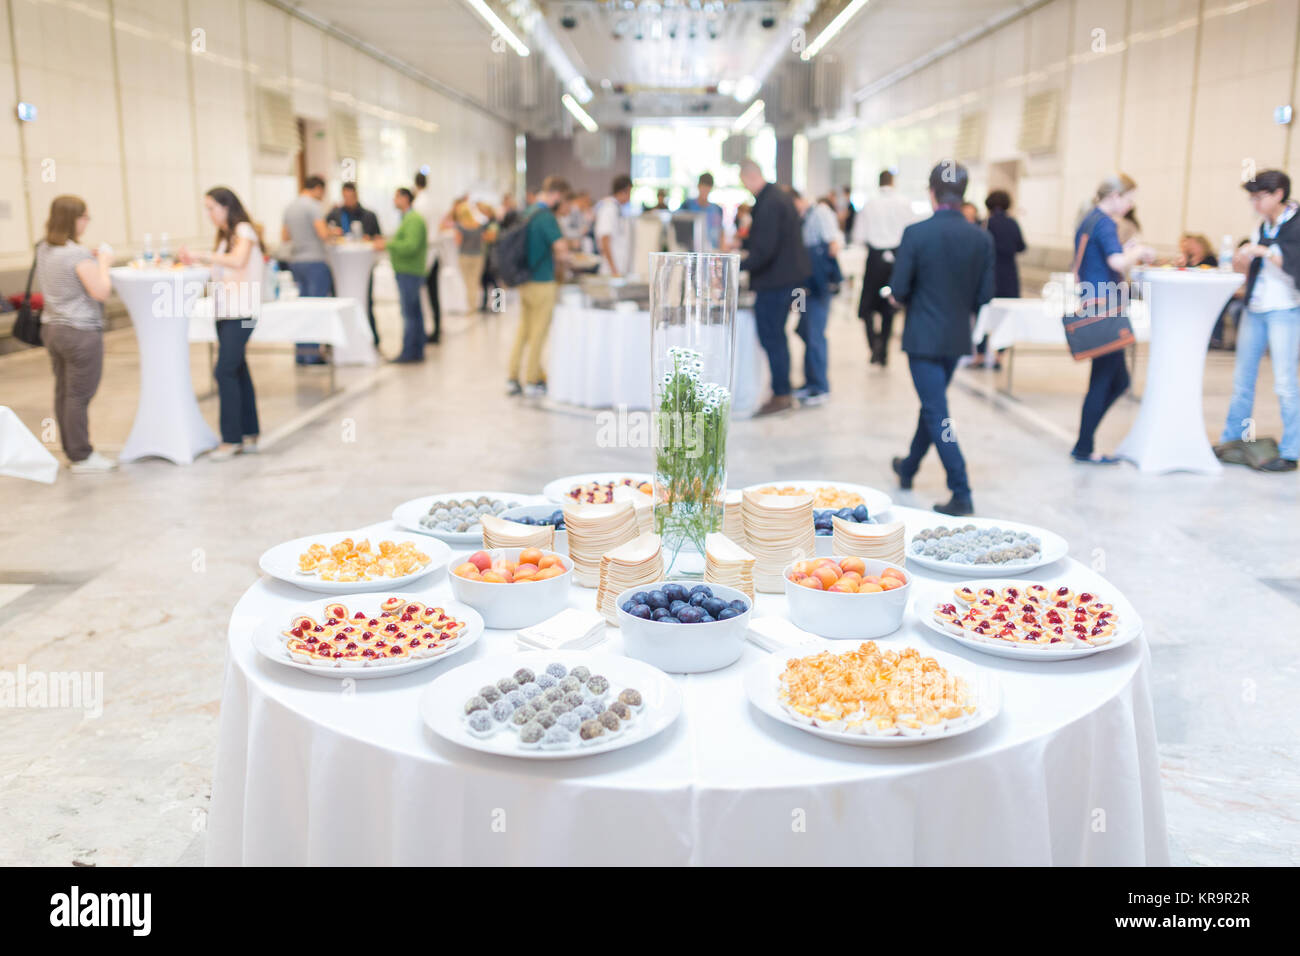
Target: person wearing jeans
x,y
1271,320
943,273
777,263
407,249
931,375
1108,380
74,282
822,238
304,233
237,269
238,415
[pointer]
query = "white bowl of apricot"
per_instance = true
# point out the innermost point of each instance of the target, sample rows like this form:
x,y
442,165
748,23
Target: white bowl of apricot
x,y
847,598
512,587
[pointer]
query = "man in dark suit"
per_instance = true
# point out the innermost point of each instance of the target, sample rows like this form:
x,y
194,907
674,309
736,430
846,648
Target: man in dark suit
x,y
777,263
943,273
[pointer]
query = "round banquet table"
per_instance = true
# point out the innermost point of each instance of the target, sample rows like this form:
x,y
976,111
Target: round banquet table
x,y
313,770
168,423
600,358
350,262
1169,433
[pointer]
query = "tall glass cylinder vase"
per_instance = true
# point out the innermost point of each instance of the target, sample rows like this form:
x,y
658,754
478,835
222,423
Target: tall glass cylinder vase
x,y
692,356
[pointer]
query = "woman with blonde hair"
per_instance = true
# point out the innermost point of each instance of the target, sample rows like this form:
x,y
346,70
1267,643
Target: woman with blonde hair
x,y
237,272
74,282
1101,262
470,225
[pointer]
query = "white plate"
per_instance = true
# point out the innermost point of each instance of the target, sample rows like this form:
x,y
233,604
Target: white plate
x,y
1054,548
761,680
442,703
558,490
271,645
1130,624
408,514
281,562
877,501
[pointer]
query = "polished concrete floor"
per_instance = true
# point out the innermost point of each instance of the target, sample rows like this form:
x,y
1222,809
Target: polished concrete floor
x,y
133,574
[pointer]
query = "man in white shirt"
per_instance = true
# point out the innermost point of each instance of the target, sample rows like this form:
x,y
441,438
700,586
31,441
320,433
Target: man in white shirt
x,y
614,229
880,224
426,205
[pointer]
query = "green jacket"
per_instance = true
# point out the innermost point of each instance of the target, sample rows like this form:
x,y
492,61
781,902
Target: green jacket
x,y
409,245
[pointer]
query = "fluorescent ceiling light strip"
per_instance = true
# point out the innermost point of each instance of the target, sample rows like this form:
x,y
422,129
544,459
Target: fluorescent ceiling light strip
x,y
579,113
497,24
747,117
833,29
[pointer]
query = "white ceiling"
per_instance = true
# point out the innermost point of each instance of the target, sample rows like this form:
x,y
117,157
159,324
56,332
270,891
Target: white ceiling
x,y
447,41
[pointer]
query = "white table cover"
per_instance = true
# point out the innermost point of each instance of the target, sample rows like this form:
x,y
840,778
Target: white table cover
x,y
21,454
1067,774
1011,322
600,358
1169,433
338,322
351,261
168,423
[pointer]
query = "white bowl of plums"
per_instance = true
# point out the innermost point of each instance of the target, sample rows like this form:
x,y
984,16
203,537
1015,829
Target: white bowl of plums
x,y
682,627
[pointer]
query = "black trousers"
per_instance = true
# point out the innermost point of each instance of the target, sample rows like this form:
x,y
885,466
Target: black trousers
x,y
431,283
875,278
370,306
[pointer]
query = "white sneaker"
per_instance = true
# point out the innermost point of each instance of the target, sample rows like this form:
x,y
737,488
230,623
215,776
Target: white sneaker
x,y
224,454
94,463
249,447
534,391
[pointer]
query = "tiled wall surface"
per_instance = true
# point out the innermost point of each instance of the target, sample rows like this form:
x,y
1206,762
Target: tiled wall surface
x,y
1177,93
145,104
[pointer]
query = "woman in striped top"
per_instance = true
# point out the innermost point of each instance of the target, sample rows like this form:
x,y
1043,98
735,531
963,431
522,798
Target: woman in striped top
x,y
74,282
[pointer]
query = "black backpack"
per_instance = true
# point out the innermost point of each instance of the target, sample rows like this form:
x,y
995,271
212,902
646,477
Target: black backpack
x,y
509,256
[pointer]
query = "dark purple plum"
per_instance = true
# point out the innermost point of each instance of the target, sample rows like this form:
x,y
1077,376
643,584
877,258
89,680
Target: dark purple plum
x,y
690,615
642,611
713,605
657,599
728,612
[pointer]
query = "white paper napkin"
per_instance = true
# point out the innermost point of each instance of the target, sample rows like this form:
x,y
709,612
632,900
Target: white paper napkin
x,y
572,629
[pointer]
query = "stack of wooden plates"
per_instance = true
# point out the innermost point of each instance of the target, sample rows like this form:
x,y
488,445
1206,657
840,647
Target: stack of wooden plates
x,y
643,504
500,533
728,564
733,521
778,530
881,542
638,563
594,531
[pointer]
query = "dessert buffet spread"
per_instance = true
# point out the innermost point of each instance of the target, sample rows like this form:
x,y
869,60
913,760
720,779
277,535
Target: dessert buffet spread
x,y
556,709
551,706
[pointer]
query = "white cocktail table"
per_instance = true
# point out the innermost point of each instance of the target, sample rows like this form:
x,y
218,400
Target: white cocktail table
x,y
1067,774
1169,434
168,423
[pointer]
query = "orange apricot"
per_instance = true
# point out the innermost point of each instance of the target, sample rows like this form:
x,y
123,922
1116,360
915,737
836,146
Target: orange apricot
x,y
549,561
480,559
844,586
530,556
801,569
526,570
811,582
854,564
868,587
827,574
493,577
466,570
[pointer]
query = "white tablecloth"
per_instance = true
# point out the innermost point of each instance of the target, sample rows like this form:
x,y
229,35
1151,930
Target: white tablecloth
x,y
168,423
21,454
338,322
1169,434
600,358
351,262
1010,322
1067,774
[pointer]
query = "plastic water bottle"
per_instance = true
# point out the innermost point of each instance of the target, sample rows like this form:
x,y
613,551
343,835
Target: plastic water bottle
x,y
1226,249
164,253
147,253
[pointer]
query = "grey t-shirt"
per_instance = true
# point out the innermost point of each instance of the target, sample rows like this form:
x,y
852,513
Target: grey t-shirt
x,y
66,300
299,216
